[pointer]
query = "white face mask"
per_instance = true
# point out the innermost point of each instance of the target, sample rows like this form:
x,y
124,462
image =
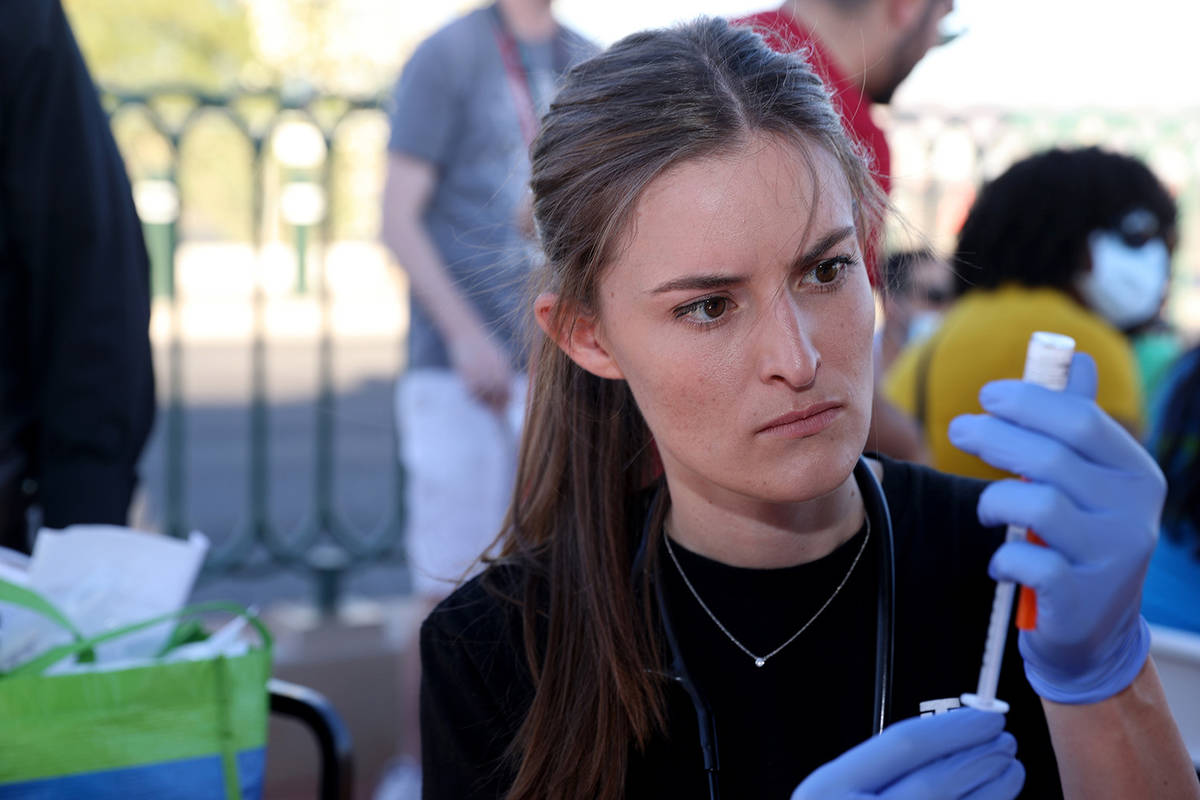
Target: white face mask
x,y
922,325
1126,284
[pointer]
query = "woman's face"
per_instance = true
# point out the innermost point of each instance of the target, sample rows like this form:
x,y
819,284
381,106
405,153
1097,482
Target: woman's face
x,y
741,315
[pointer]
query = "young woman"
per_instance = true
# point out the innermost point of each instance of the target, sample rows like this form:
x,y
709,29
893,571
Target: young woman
x,y
702,590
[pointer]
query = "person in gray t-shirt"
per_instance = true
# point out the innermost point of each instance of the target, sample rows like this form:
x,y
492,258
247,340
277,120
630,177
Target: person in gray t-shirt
x,y
456,216
458,180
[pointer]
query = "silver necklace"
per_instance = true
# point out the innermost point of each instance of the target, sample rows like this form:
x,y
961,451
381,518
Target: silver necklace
x,y
762,660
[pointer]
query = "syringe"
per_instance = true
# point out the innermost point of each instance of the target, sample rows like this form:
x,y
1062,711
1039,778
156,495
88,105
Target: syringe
x,y
1047,363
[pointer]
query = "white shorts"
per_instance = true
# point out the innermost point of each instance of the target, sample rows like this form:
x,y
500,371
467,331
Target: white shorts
x,y
460,460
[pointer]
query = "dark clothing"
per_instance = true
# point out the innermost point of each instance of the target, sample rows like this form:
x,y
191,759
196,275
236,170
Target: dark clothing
x,y
775,724
76,381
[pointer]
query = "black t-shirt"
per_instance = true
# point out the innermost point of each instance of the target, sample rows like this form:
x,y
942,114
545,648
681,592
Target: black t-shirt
x,y
807,705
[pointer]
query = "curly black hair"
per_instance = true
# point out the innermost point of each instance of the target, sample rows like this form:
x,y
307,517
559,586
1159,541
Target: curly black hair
x,y
1030,225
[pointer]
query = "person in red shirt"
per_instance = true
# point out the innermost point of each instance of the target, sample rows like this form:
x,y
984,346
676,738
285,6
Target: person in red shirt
x,y
863,50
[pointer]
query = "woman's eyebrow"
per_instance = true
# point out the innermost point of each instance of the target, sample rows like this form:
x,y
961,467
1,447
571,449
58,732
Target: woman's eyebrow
x,y
699,283
720,281
824,243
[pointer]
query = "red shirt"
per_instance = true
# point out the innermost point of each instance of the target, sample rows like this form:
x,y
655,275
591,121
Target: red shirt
x,y
783,33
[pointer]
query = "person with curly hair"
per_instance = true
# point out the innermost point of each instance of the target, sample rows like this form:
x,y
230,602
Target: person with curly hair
x,y
1075,241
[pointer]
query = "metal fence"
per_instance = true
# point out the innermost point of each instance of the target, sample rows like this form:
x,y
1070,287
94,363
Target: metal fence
x,y
302,132
939,160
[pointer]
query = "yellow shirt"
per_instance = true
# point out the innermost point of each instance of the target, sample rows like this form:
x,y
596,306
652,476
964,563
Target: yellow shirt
x,y
984,338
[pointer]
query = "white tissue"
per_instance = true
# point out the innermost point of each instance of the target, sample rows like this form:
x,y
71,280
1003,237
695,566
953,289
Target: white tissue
x,y
23,633
103,577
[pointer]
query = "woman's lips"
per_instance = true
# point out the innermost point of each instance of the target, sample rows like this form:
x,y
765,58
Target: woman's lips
x,y
799,424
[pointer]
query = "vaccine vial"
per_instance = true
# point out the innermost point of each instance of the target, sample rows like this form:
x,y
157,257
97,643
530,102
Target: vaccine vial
x,y
1048,360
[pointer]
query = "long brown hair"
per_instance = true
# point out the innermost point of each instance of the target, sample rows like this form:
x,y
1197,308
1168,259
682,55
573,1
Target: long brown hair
x,y
651,101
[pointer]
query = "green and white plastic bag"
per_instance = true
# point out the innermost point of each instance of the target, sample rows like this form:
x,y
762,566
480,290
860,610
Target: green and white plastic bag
x,y
182,726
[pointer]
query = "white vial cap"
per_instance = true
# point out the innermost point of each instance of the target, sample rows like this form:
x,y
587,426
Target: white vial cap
x,y
1048,359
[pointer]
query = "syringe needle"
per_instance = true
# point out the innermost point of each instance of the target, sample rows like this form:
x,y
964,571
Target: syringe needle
x,y
984,697
1047,363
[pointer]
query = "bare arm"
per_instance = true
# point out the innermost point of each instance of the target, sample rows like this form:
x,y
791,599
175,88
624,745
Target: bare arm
x,y
483,365
1123,747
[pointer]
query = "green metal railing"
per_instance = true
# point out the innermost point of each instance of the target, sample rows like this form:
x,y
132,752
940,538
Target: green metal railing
x,y
324,545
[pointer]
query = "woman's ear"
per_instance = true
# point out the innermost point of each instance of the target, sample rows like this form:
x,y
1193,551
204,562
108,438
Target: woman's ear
x,y
578,335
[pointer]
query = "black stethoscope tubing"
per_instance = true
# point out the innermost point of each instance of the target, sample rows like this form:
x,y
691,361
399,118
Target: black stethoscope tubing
x,y
875,504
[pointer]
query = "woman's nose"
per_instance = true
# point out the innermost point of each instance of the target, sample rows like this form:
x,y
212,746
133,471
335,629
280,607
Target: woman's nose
x,y
785,346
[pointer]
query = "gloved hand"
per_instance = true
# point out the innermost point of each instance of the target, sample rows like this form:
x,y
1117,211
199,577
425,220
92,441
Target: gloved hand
x,y
962,754
1095,496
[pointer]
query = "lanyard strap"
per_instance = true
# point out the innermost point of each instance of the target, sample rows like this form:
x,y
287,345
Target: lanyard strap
x,y
520,82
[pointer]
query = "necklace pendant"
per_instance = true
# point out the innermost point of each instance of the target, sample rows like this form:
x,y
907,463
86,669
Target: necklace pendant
x,y
760,661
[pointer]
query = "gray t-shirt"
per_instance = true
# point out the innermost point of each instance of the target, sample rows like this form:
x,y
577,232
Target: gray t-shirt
x,y
455,108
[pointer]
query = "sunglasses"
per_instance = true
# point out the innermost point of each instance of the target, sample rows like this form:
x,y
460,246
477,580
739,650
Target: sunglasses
x,y
1138,227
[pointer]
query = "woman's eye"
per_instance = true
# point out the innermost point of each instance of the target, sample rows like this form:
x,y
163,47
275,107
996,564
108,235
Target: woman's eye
x,y
705,311
714,307
828,271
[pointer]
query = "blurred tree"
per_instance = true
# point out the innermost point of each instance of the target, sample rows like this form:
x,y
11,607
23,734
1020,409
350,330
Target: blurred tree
x,y
139,43
341,46
352,47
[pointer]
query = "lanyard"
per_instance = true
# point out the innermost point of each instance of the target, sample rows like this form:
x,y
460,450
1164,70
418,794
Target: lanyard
x,y
520,82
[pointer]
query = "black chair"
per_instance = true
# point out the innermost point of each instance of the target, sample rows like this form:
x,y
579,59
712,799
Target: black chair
x,y
333,739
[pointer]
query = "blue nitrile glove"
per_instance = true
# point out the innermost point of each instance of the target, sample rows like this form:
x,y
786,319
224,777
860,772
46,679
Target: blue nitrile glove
x,y
961,755
1095,496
